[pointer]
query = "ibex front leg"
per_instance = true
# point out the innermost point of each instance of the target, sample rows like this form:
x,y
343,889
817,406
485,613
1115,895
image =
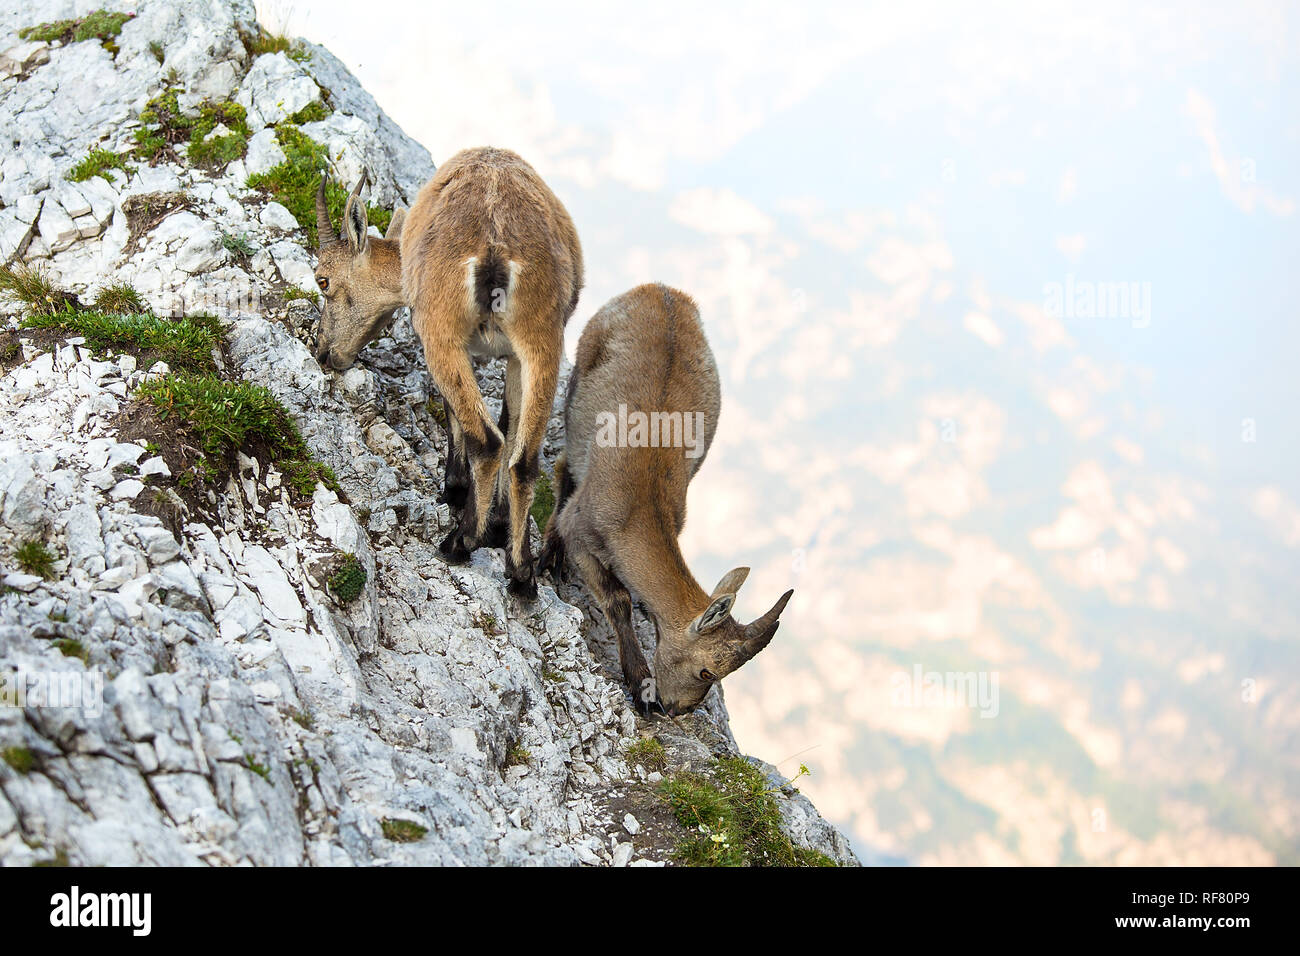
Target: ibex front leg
x,y
616,602
479,438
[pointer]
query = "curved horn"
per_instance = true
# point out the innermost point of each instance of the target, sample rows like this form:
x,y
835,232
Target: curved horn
x,y
760,632
361,183
757,636
324,228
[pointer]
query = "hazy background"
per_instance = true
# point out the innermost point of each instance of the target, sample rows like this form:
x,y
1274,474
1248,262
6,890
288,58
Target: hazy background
x,y
871,206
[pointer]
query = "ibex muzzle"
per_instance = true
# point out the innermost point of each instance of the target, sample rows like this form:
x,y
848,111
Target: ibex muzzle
x,y
620,507
689,662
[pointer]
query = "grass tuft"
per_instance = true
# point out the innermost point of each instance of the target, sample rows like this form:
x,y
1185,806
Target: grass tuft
x,y
226,416
518,755
237,245
97,163
185,343
32,286
35,558
735,819
647,752
403,831
349,580
120,298
294,294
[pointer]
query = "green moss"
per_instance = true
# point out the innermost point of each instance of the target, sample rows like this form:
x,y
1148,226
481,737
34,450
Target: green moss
x,y
71,647
97,163
185,343
647,752
735,819
543,501
349,580
32,287
157,50
293,183
403,831
49,32
313,112
226,416
100,25
261,769
120,298
35,558
20,759
164,127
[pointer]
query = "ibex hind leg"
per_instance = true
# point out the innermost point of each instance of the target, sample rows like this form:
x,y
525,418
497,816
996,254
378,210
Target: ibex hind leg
x,y
498,526
532,376
482,444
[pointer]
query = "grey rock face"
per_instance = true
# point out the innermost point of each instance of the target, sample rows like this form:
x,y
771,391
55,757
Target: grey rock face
x,y
196,694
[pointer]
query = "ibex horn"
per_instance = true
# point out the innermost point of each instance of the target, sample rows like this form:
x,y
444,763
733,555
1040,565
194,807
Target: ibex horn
x,y
324,228
759,632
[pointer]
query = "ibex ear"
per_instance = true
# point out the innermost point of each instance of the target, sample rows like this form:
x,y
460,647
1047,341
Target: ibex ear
x,y
719,610
356,218
395,225
731,582
720,601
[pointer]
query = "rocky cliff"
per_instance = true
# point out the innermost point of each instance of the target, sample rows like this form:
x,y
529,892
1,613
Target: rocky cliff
x,y
185,681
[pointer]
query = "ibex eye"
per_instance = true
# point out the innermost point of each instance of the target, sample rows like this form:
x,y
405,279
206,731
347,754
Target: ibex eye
x,y
324,284
707,674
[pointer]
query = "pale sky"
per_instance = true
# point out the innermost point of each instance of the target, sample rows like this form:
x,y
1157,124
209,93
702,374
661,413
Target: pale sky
x,y
893,218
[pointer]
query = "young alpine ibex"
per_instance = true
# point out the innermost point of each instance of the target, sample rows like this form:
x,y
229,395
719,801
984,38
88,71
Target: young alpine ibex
x,y
621,500
489,262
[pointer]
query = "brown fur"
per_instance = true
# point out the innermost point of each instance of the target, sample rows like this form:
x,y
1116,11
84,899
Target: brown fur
x,y
489,262
621,509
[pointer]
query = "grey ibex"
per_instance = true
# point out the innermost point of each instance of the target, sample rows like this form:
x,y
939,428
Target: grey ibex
x,y
489,262
644,369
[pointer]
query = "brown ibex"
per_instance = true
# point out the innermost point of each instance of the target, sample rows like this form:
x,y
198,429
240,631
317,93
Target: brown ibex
x,y
489,262
621,498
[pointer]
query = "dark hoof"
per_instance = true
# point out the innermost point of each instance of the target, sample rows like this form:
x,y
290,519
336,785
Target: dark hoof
x,y
645,698
453,549
525,589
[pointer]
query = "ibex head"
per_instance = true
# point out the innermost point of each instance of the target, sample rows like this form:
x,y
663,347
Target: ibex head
x,y
690,661
360,279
